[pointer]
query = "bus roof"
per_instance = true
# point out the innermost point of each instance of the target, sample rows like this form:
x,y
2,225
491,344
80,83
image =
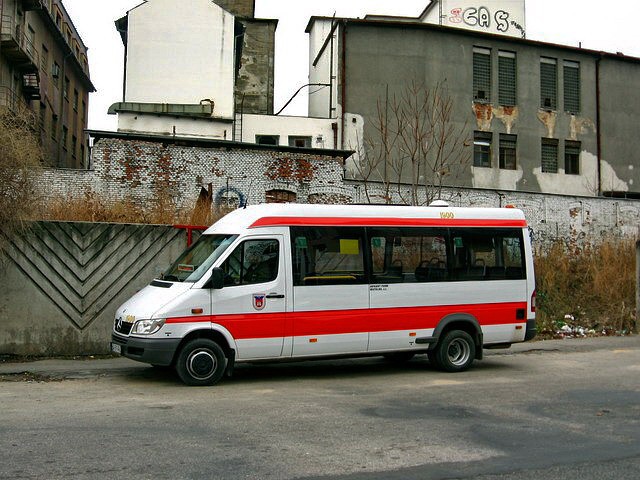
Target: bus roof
x,y
296,214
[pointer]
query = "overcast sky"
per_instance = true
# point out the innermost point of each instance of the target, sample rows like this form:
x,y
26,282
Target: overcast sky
x,y
610,26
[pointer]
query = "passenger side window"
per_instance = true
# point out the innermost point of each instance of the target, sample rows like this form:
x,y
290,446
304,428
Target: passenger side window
x,y
252,262
408,255
328,256
487,255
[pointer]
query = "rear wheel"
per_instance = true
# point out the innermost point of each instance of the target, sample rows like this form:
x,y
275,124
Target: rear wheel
x,y
454,352
201,362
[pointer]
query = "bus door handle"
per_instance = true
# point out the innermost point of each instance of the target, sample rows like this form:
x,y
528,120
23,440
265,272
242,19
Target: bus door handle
x,y
275,295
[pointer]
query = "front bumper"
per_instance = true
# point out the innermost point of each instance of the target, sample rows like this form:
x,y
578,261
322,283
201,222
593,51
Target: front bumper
x,y
148,350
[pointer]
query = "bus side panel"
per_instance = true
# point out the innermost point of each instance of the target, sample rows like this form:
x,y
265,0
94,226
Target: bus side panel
x,y
495,305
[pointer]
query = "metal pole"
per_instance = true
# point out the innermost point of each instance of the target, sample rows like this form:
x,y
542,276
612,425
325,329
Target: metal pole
x,y
636,328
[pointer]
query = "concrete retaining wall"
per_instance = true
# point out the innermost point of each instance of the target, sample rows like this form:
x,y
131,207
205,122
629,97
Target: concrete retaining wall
x,y
61,282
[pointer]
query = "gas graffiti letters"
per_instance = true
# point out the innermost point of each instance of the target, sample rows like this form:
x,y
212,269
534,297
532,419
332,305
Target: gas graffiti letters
x,y
481,17
502,21
477,17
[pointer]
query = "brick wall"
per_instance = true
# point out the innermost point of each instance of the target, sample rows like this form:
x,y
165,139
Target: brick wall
x,y
574,220
143,169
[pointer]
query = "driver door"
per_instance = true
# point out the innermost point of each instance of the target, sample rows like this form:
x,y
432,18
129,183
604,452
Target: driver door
x,y
252,304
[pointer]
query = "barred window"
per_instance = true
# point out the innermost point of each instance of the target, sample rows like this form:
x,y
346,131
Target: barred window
x,y
549,155
548,83
507,78
572,157
482,149
481,74
301,142
508,145
280,196
571,73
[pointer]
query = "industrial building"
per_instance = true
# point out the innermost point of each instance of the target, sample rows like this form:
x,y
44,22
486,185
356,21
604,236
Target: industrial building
x,y
538,117
44,68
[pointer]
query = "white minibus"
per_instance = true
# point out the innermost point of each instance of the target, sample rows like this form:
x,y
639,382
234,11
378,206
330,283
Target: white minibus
x,y
298,282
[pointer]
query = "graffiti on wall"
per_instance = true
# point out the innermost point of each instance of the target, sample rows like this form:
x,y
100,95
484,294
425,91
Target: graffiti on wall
x,y
484,18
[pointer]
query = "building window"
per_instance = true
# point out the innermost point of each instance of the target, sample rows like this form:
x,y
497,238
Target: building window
x,y
548,83
280,196
572,157
55,71
44,59
65,135
301,142
74,145
67,85
571,74
54,127
508,145
507,78
481,74
43,115
75,99
267,139
549,155
482,149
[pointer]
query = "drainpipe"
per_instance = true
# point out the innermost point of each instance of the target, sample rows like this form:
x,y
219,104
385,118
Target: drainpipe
x,y
344,77
598,130
636,327
62,100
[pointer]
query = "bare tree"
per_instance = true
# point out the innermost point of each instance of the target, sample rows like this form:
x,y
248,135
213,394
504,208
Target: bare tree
x,y
413,148
20,162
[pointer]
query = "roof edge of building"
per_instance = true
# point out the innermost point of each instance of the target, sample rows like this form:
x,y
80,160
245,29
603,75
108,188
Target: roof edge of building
x,y
216,143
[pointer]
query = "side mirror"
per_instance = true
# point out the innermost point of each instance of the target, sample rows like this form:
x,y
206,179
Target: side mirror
x,y
217,279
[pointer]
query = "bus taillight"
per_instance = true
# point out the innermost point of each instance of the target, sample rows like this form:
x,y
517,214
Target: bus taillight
x,y
533,302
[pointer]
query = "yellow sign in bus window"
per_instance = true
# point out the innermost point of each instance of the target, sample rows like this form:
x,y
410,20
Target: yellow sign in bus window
x,y
349,247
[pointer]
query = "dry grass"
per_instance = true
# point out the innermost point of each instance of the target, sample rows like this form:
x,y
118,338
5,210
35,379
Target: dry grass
x,y
90,207
20,160
592,288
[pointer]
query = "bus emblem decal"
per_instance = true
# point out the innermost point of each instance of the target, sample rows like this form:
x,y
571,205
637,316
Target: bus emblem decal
x,y
259,301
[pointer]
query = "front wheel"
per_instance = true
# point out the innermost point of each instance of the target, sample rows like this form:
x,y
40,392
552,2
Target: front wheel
x,y
455,352
201,362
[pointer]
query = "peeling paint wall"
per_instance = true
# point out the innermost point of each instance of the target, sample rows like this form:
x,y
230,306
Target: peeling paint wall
x,y
435,55
508,116
549,120
135,169
620,117
573,220
255,79
484,115
241,8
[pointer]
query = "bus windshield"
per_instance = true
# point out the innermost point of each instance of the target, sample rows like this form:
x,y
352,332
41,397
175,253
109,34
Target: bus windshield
x,y
197,259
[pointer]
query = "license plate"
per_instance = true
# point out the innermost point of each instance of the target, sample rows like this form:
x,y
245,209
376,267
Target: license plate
x,y
115,348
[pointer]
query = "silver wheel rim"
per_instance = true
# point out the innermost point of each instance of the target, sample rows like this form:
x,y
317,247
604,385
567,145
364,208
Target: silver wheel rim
x,y
202,364
459,352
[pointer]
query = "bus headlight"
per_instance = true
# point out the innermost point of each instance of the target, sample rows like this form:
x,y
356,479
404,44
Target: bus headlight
x,y
147,327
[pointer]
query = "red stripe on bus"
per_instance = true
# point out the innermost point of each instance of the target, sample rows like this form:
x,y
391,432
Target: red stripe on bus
x,y
385,222
335,322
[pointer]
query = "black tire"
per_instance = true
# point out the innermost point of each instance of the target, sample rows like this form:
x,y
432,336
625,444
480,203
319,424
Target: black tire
x,y
454,352
399,357
201,362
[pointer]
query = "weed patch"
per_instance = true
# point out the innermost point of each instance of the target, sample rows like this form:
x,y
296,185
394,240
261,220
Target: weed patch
x,y
586,291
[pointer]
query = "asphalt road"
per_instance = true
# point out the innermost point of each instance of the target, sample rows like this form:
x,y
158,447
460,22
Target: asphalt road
x,y
546,410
